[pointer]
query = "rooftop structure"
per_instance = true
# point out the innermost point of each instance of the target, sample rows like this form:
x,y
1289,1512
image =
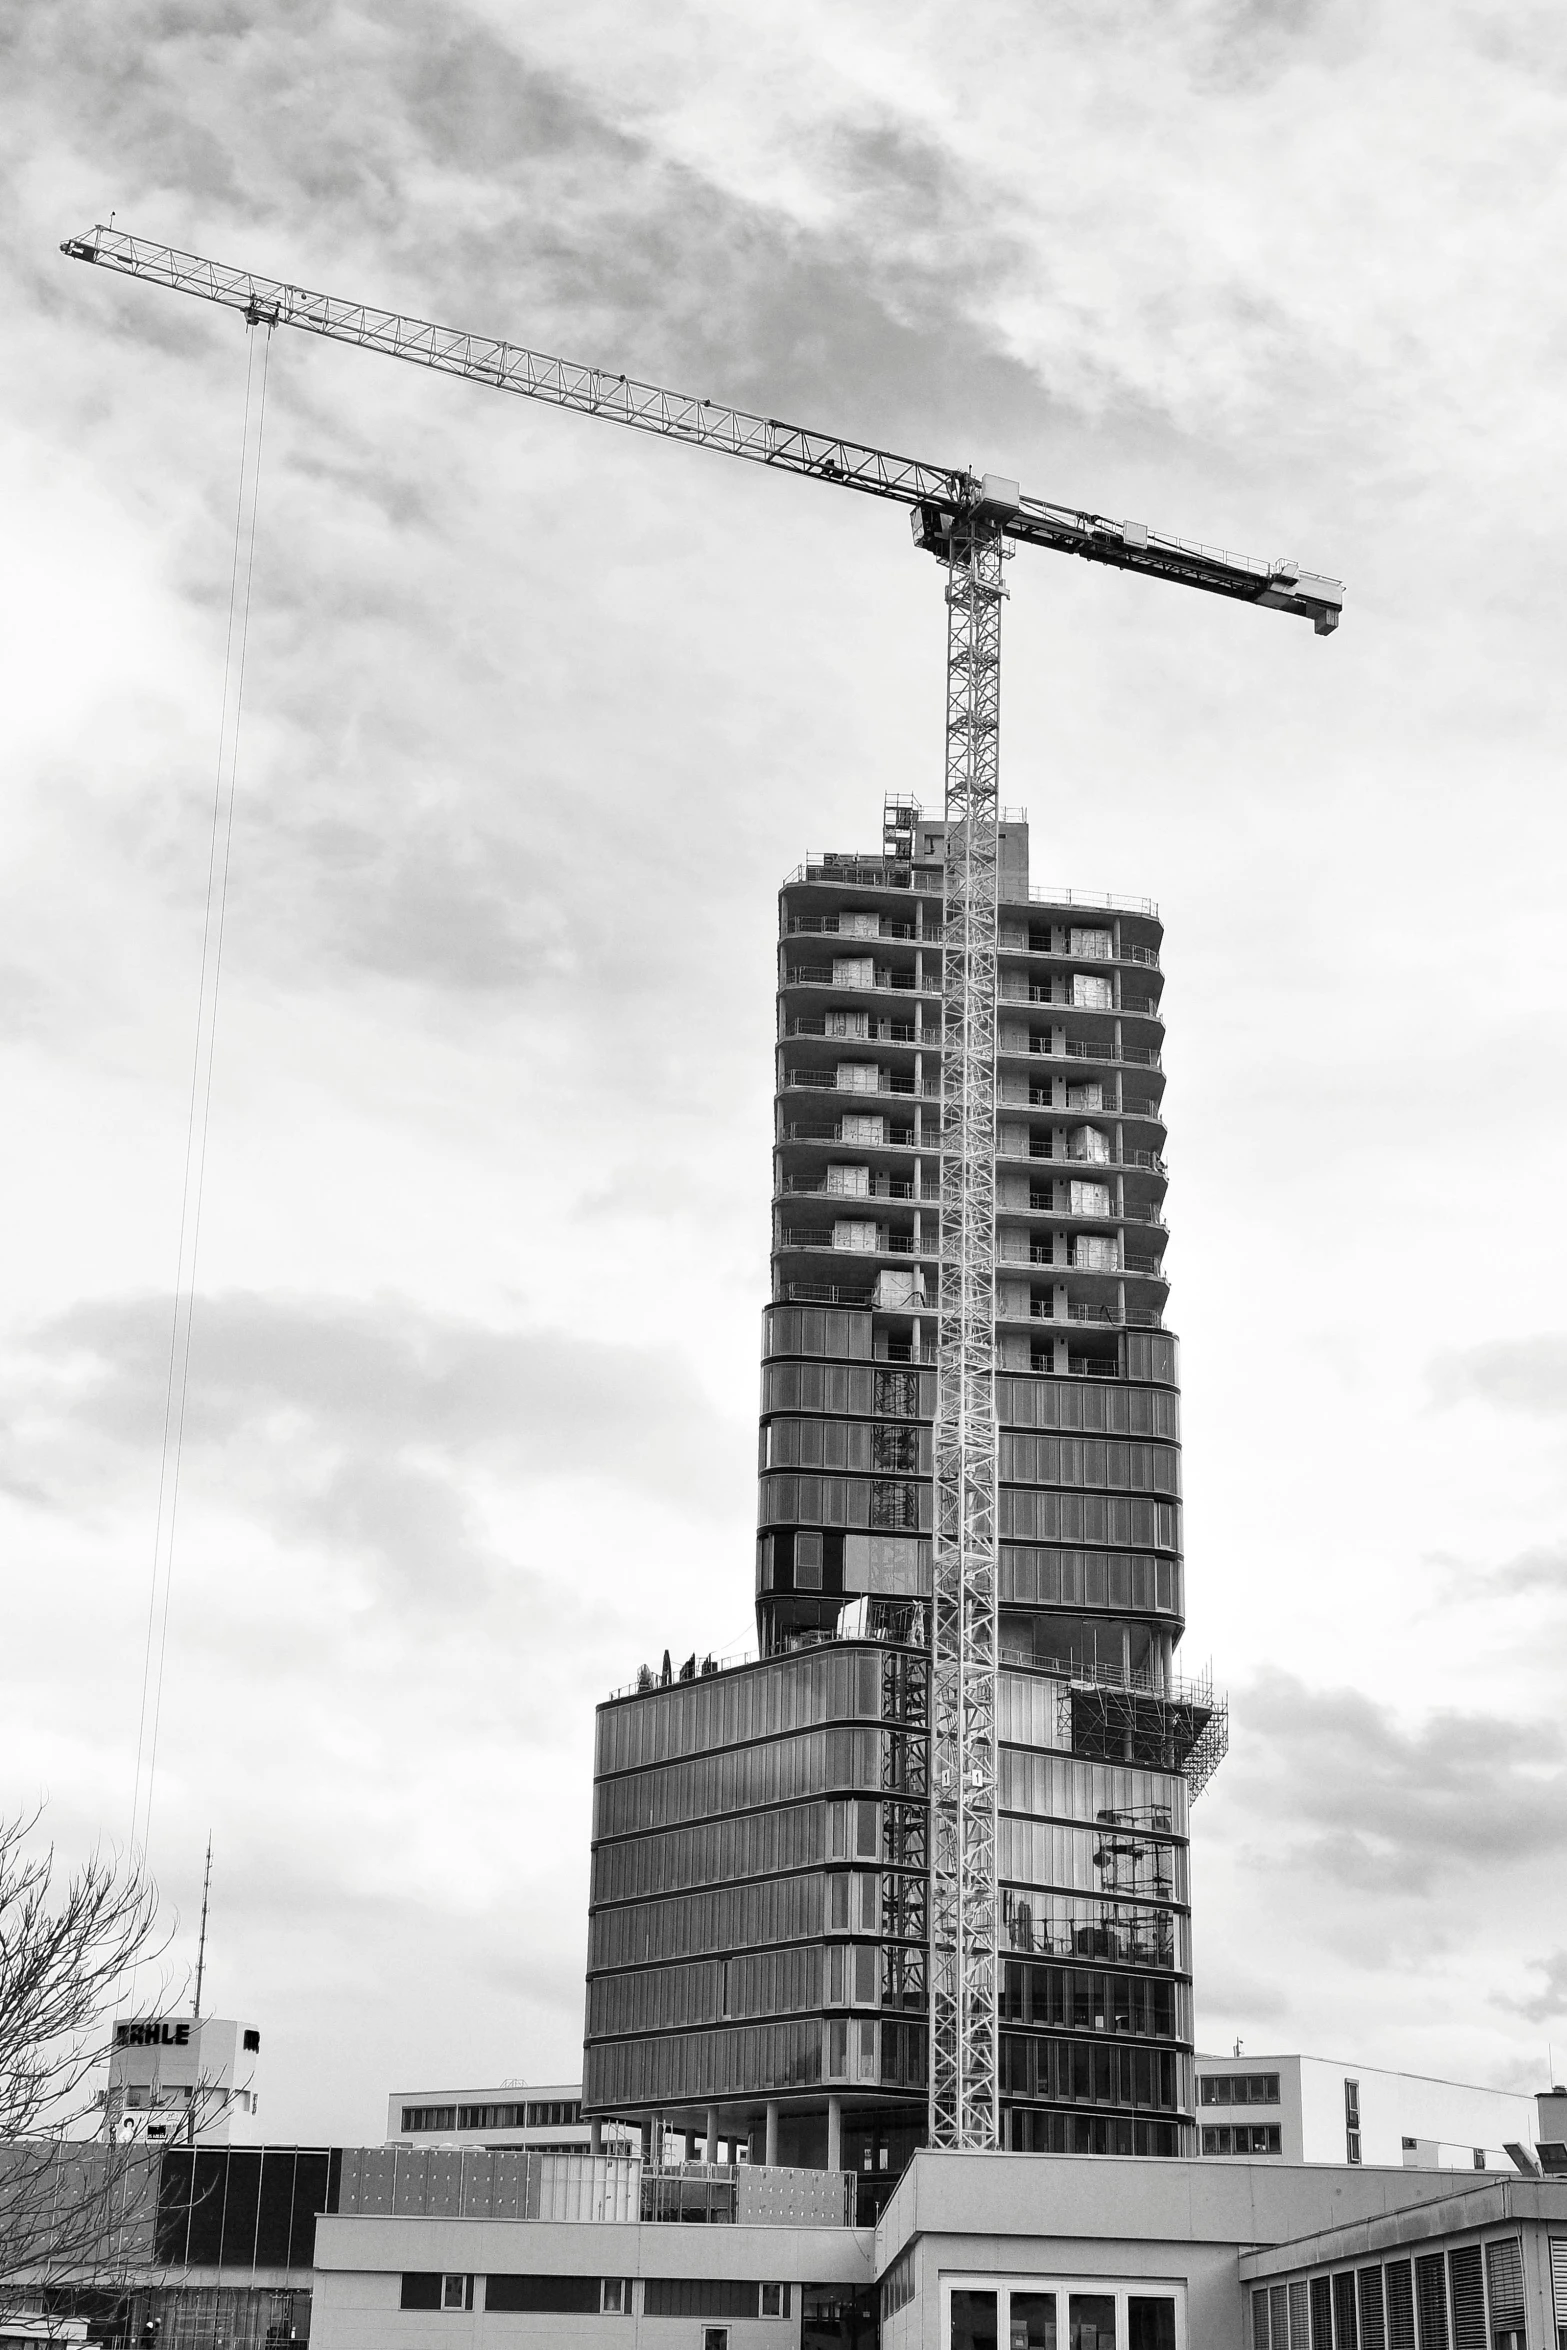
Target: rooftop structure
x,y
545,2117
184,2079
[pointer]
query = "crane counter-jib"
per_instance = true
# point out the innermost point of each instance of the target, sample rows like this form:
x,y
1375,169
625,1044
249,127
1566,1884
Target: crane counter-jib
x,y
938,493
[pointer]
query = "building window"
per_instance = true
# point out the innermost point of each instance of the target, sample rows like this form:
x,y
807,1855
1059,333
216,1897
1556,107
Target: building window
x,y
775,2300
551,2296
1239,2088
429,2289
715,2338
1241,2138
617,2296
1352,2121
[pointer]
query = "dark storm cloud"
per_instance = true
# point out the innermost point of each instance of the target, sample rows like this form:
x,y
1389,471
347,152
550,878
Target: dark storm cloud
x,y
1516,1375
1365,1803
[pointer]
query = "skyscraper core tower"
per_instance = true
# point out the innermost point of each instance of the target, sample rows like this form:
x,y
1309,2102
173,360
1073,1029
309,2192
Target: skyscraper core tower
x,y
760,1951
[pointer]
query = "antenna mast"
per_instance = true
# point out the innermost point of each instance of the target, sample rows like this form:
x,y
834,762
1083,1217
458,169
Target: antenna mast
x,y
201,1947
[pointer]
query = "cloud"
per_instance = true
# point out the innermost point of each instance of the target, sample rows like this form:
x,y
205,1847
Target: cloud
x,y
1539,1570
366,1425
1549,2004
1526,1375
1340,1789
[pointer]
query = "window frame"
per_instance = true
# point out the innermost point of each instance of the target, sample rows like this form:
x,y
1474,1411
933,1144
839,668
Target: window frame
x,y
1004,2283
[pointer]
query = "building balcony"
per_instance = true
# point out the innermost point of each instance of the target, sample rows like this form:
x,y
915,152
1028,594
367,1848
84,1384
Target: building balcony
x,y
1108,1316
873,1032
888,1244
834,926
827,865
879,1187
1073,1048
1041,1146
895,1138
894,1081
884,980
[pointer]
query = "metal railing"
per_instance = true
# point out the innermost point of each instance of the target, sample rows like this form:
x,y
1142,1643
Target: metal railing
x,y
880,1187
1101,903
828,1293
864,873
888,1244
829,926
902,1141
875,1032
890,1081
1073,1048
885,982
1039,1147
1043,1309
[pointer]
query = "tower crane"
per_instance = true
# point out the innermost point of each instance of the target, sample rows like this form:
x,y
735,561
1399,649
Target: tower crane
x,y
970,522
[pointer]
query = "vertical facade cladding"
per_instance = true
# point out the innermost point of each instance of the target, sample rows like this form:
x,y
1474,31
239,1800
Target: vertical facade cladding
x,y
1100,1746
757,1923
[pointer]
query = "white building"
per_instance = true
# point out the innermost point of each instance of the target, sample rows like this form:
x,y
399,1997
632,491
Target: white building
x,y
545,2116
182,2079
1316,2109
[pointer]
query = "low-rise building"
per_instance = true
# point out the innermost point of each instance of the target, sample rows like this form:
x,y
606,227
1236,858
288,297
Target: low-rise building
x,y
1318,2109
544,2116
184,2079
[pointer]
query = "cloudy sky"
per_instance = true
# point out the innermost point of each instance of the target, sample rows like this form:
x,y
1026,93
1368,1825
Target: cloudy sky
x,y
537,716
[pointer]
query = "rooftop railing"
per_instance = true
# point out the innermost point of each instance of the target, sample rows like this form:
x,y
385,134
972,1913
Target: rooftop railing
x,y
1100,902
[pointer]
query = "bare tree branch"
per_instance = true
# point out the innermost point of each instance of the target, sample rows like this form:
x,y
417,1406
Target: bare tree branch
x,y
68,1946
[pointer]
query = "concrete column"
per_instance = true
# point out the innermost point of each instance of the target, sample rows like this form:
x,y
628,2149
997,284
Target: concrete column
x,y
835,2133
771,2155
712,2133
595,2136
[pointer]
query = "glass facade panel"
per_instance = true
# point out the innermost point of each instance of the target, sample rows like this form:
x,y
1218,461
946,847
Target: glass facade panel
x,y
741,1780
1088,1407
733,1917
712,1854
1024,1516
1090,1461
1060,1787
1130,1582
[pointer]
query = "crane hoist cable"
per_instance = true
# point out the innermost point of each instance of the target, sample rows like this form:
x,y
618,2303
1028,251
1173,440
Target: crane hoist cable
x,y
970,522
199,1110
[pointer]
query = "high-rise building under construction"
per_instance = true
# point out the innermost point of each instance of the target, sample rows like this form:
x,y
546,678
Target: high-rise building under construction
x,y
760,1940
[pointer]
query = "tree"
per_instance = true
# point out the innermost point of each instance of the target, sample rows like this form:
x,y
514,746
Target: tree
x,y
68,1943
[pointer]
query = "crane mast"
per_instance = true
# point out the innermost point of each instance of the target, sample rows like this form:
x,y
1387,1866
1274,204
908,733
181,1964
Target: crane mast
x,y
971,523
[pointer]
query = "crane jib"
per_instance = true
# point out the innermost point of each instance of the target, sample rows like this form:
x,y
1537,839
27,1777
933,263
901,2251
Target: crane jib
x,y
940,495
